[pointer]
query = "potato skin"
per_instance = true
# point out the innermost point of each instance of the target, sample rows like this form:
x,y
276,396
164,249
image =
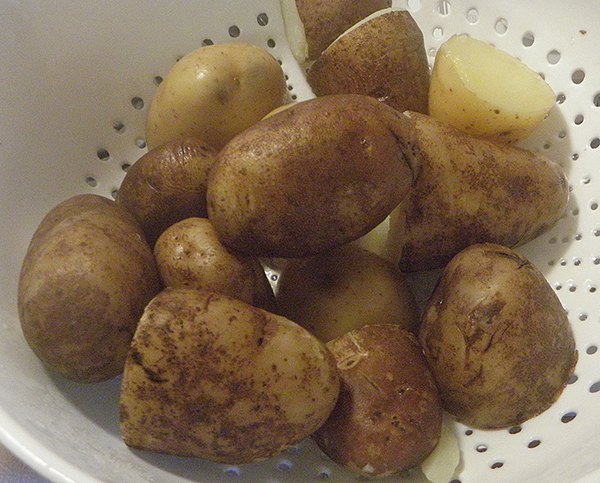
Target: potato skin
x,y
87,275
342,289
384,57
190,254
389,416
318,174
472,190
212,377
167,184
214,93
497,338
325,20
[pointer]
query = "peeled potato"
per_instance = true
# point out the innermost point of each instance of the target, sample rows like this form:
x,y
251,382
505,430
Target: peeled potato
x,y
485,91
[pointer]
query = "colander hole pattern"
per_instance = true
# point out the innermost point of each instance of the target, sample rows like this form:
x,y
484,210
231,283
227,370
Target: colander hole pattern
x,y
569,255
552,142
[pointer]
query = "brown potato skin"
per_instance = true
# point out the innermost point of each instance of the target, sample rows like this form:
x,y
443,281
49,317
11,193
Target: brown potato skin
x,y
342,289
325,20
472,190
212,377
84,282
384,58
389,416
321,173
167,184
190,254
497,338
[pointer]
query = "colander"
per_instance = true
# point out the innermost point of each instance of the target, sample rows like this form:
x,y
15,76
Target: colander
x,y
75,82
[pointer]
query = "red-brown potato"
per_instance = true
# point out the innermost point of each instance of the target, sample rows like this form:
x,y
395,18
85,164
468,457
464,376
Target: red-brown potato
x,y
388,417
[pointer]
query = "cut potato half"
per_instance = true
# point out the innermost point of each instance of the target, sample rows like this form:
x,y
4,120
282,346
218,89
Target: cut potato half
x,y
485,91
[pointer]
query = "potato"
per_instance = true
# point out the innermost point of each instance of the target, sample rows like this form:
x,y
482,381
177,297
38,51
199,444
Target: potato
x,y
497,338
342,289
485,91
313,176
472,190
87,275
189,254
167,184
388,417
212,377
384,57
214,93
324,20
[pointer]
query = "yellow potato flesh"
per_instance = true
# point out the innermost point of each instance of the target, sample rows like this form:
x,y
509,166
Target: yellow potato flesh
x,y
485,91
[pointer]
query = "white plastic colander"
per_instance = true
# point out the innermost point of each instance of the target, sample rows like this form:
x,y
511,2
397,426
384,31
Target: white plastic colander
x,y
75,82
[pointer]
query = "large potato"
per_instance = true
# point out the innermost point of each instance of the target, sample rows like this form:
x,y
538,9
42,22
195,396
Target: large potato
x,y
485,91
384,57
313,176
324,20
497,338
214,93
343,289
472,190
167,184
87,275
388,417
190,254
212,377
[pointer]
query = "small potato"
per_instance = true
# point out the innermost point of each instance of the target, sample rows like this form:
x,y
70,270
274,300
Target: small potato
x,y
486,92
212,377
388,417
87,275
383,57
214,93
324,20
167,184
316,175
472,190
342,289
189,254
497,338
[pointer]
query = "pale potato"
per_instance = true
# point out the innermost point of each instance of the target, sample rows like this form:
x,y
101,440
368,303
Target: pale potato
x,y
167,184
316,175
472,190
214,93
190,254
388,417
485,91
343,289
87,275
497,338
212,377
383,57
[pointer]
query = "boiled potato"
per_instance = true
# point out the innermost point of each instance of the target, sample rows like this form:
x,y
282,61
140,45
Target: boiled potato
x,y
388,417
212,377
214,93
189,254
342,289
485,91
497,338
313,176
384,57
167,184
322,21
87,275
472,190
